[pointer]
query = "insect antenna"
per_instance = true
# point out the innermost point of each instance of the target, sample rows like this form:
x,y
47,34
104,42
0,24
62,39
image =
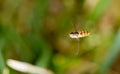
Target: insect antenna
x,y
75,27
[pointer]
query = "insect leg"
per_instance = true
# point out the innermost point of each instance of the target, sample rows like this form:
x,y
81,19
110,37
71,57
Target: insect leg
x,y
78,42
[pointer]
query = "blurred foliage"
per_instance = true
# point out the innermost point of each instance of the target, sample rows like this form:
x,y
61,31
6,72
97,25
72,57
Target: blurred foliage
x,y
37,32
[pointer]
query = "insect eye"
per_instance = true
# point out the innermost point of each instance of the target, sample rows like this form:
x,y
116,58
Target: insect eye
x,y
72,33
76,33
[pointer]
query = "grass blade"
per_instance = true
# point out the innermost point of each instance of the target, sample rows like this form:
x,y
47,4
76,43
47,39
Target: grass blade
x,y
111,55
2,63
98,11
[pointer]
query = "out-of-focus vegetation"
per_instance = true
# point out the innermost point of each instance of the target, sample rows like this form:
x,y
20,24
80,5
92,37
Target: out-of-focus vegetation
x,y
37,32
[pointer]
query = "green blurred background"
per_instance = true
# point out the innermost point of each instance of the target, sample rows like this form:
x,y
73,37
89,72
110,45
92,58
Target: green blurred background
x,y
37,32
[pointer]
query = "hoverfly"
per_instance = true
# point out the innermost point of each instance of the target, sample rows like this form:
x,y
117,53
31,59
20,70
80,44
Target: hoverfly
x,y
77,35
80,34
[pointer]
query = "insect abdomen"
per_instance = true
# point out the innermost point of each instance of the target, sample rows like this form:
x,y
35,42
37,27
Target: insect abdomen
x,y
84,33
